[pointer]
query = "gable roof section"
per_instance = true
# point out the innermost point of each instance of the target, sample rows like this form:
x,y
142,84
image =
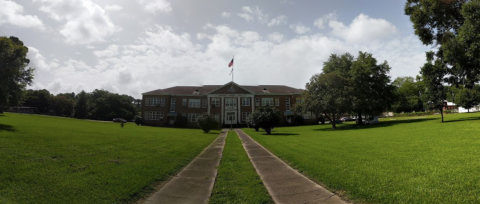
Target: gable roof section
x,y
207,89
231,84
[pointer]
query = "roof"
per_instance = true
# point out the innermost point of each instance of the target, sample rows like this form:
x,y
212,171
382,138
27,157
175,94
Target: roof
x,y
205,89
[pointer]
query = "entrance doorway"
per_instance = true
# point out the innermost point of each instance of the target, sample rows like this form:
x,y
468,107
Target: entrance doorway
x,y
230,118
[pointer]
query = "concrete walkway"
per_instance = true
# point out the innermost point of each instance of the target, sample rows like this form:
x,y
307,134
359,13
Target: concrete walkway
x,y
284,184
194,183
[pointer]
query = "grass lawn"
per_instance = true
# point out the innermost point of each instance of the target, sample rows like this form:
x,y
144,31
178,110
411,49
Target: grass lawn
x,y
404,160
61,160
237,181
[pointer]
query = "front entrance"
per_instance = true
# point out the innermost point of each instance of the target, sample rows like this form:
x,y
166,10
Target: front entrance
x,y
230,118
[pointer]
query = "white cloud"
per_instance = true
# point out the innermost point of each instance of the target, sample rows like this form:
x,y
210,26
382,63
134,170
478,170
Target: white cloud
x,y
226,15
154,6
279,20
113,7
85,22
253,14
111,51
299,28
12,13
275,37
323,21
364,29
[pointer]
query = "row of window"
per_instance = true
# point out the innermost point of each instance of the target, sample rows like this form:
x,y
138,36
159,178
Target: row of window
x,y
192,117
196,103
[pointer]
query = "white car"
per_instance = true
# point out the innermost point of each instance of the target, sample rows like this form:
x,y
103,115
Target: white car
x,y
372,121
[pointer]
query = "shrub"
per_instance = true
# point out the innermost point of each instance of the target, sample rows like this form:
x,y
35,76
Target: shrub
x,y
138,120
251,120
207,122
299,120
180,122
266,118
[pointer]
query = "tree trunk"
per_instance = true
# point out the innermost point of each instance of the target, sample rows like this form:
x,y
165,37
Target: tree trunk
x,y
333,121
441,112
268,130
359,119
1,108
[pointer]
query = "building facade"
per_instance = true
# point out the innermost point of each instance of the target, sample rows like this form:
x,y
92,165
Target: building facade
x,y
229,104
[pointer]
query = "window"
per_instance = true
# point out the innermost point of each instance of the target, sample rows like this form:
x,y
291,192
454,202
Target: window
x,y
217,117
184,102
172,105
192,117
161,115
193,103
162,101
277,101
267,101
287,104
257,101
229,102
299,100
245,116
152,115
152,101
184,114
307,115
245,101
216,102
204,103
147,102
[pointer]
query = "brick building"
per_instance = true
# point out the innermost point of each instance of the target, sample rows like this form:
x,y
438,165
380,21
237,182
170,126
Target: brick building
x,y
229,104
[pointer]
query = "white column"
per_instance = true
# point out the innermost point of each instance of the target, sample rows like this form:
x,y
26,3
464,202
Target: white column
x,y
208,104
252,102
239,112
222,102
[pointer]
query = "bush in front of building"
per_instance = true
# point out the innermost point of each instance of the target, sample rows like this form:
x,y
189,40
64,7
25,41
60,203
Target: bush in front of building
x,y
207,122
251,120
180,122
138,120
266,118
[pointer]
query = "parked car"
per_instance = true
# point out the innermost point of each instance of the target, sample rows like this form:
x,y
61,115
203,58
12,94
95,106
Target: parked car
x,y
337,121
346,119
118,120
371,121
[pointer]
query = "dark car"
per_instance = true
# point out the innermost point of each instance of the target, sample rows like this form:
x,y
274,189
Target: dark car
x,y
119,120
337,121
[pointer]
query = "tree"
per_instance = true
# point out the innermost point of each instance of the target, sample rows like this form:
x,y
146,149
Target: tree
x,y
371,89
433,73
408,94
252,118
62,105
453,26
332,93
14,74
468,98
207,122
81,107
266,118
42,100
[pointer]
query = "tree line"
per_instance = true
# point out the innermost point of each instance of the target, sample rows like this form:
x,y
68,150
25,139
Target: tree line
x,y
97,105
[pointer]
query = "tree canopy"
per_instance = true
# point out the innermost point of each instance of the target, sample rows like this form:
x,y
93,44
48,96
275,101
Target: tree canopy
x,y
14,74
266,118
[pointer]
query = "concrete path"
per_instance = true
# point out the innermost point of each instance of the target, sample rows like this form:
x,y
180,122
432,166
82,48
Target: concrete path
x,y
284,184
194,183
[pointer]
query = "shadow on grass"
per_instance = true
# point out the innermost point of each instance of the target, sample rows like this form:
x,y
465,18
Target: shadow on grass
x,y
281,134
462,119
378,125
7,128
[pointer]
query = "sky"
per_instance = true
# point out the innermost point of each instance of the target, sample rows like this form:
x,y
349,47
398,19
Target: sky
x,y
132,47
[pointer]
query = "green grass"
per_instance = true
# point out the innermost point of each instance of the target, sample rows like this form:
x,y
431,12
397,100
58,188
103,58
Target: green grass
x,y
60,160
415,160
237,181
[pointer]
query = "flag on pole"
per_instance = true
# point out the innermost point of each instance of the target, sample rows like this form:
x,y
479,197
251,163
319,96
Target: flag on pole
x,y
231,63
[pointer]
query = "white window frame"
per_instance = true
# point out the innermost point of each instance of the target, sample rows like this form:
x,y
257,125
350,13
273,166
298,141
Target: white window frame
x,y
184,102
287,104
216,101
230,102
147,101
162,101
173,102
192,117
267,102
161,115
257,101
204,103
245,116
245,101
194,103
152,115
277,101
217,117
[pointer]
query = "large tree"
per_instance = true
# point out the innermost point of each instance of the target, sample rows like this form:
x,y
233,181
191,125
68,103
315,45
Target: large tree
x,y
468,98
266,118
81,106
434,72
453,26
332,93
408,94
14,74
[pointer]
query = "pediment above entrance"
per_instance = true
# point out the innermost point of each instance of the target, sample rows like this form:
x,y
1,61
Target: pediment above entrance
x,y
231,88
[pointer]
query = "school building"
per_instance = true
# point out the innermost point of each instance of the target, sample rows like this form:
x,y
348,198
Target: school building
x,y
229,104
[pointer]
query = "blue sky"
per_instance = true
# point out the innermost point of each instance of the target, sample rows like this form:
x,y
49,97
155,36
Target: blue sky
x,y
131,47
